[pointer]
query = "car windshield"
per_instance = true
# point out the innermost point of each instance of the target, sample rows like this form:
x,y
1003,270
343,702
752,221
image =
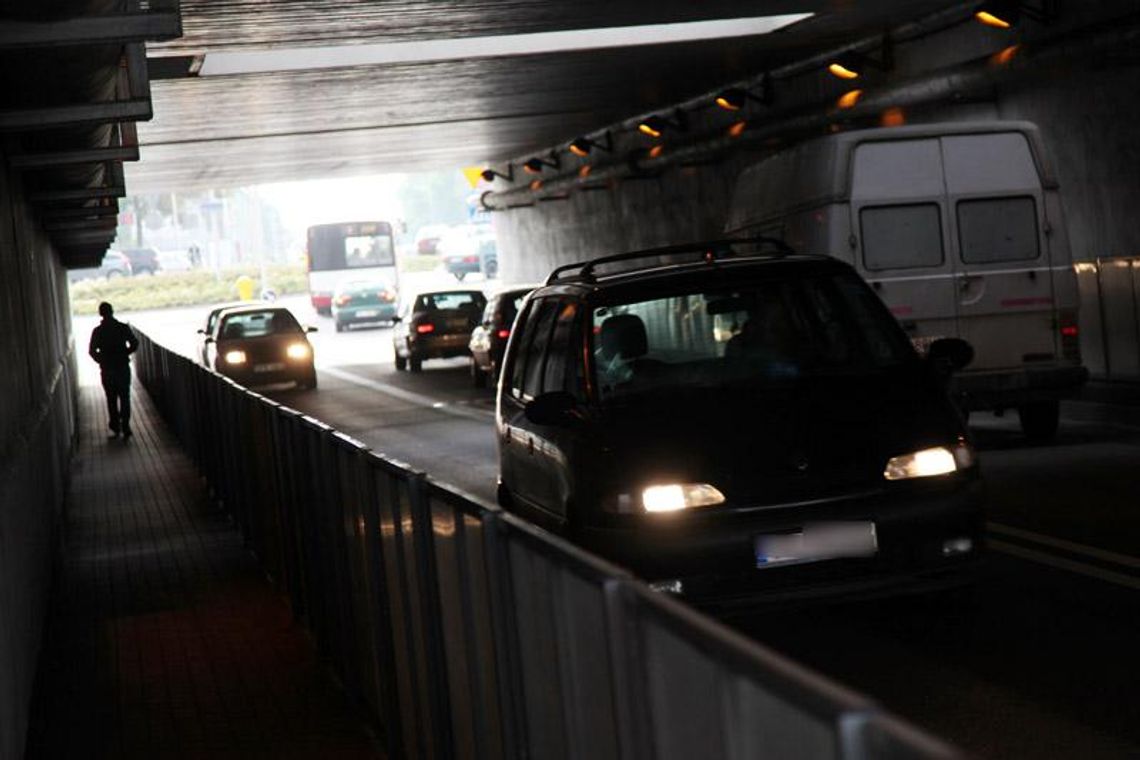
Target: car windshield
x,y
771,333
464,299
255,324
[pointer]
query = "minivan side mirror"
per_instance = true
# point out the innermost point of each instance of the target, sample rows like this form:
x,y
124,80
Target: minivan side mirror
x,y
948,355
310,329
551,408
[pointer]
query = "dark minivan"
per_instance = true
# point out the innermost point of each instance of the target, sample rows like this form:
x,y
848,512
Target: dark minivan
x,y
725,421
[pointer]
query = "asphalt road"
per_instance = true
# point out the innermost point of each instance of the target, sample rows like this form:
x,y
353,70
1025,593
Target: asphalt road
x,y
1038,660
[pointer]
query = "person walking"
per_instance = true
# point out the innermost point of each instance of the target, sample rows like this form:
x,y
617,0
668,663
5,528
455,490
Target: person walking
x,y
112,343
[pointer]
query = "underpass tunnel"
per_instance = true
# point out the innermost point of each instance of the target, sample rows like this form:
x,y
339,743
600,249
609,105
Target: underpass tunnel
x,y
601,141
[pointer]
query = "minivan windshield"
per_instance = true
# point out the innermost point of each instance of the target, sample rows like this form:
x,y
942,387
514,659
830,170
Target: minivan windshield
x,y
772,332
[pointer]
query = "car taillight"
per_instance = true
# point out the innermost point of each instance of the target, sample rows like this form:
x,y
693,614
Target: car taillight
x,y
344,301
386,296
504,334
1070,336
425,328
470,259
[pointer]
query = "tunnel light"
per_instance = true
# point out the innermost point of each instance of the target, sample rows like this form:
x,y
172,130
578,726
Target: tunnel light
x,y
583,146
737,129
657,125
536,165
843,71
853,63
735,98
849,99
999,14
732,99
490,174
893,117
536,185
585,171
1005,56
656,151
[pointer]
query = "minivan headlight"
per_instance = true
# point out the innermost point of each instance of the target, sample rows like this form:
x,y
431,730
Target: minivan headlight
x,y
235,357
940,460
673,497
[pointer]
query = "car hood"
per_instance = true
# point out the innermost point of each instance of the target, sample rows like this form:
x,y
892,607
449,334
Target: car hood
x,y
820,437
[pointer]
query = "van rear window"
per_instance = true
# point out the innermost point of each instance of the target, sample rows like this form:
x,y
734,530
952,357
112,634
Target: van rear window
x,y
998,229
901,237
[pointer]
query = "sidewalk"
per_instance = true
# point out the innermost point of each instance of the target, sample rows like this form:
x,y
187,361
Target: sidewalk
x,y
165,640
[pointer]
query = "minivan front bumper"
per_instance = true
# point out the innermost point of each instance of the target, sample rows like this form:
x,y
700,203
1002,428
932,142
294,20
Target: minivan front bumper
x,y
717,557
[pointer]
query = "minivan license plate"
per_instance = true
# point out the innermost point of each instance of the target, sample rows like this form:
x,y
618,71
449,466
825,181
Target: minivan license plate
x,y
274,367
816,542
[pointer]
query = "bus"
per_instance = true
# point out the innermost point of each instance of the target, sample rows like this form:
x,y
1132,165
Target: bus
x,y
348,251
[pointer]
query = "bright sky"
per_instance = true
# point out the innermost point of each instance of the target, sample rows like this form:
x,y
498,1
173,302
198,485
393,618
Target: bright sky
x,y
351,199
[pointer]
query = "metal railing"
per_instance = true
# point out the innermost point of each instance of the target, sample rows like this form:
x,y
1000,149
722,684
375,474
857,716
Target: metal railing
x,y
466,632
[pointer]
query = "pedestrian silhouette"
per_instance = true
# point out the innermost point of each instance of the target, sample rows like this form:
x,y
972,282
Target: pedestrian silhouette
x,y
111,346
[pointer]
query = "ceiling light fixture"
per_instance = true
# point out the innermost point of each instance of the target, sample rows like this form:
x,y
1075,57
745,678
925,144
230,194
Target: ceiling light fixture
x,y
489,174
1005,14
536,165
852,64
583,145
657,125
735,98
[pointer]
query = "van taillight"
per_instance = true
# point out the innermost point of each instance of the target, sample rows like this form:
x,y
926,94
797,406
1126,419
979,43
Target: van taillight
x,y
1070,336
424,329
504,334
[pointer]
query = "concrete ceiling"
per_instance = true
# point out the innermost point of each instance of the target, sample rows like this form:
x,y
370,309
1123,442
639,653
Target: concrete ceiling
x,y
247,128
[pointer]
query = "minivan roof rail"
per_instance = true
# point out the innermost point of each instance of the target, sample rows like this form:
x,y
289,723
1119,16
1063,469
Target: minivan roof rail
x,y
709,251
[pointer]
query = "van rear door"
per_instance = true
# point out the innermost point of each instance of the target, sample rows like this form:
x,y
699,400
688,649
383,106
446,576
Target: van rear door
x,y
900,233
1003,271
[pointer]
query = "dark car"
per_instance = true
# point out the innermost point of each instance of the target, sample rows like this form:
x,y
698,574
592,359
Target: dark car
x,y
436,325
114,265
733,423
262,345
489,338
359,301
471,257
143,260
206,332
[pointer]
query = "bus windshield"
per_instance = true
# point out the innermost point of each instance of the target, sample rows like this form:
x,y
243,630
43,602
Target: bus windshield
x,y
348,251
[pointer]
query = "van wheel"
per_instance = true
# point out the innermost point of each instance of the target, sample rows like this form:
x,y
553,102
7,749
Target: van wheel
x,y
401,363
1039,419
415,363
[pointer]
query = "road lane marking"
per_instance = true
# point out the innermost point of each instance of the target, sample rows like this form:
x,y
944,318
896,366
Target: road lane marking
x,y
1061,563
411,396
1068,546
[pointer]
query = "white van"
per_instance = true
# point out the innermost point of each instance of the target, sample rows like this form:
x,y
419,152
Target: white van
x,y
959,229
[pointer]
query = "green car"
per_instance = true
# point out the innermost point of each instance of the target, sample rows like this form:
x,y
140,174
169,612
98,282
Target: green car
x,y
363,301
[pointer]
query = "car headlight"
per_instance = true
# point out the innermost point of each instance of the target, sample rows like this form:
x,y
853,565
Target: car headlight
x,y
940,460
297,351
677,496
235,357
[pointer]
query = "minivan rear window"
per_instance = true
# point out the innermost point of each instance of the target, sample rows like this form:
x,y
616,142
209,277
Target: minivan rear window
x,y
998,229
901,237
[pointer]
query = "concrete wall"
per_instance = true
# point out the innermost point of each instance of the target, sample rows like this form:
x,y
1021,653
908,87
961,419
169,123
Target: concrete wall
x,y
37,414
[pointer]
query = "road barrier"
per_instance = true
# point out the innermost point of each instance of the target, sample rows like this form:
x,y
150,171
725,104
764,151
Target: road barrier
x,y
465,632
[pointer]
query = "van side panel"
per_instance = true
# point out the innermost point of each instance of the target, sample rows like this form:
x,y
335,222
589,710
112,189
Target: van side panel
x,y
898,217
1005,284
